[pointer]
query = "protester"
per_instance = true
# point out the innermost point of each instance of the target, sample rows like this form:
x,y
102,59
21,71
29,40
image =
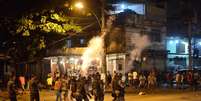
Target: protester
x,y
49,82
135,79
130,79
115,87
122,86
151,81
108,79
12,89
58,88
34,89
142,80
98,88
169,78
22,82
178,80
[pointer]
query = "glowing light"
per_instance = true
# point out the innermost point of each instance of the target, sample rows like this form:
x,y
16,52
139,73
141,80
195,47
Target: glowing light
x,y
79,5
61,62
199,43
123,6
183,42
176,41
171,42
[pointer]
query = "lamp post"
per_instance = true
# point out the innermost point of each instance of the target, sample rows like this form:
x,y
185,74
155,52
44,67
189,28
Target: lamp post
x,y
101,23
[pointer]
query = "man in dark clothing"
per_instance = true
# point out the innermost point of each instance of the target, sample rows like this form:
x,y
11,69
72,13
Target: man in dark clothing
x,y
115,87
81,89
98,88
11,89
34,89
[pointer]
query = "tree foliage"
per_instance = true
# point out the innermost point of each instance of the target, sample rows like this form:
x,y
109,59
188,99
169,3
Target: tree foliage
x,y
32,32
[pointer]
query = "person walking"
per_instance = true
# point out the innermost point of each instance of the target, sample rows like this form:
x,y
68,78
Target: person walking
x,y
34,89
11,89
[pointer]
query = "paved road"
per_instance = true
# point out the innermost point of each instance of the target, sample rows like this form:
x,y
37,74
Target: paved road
x,y
157,96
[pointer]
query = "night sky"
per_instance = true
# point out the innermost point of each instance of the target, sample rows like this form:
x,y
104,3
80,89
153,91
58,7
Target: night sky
x,y
176,9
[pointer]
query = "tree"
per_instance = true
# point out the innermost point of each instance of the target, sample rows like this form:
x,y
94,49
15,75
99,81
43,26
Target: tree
x,y
33,32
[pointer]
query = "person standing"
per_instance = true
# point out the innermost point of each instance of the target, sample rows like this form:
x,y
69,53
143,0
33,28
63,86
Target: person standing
x,y
11,89
58,88
135,79
151,81
98,88
49,82
178,80
22,82
122,88
34,89
130,77
115,87
142,80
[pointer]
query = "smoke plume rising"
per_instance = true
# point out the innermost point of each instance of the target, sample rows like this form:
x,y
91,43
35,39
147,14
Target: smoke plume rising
x,y
140,42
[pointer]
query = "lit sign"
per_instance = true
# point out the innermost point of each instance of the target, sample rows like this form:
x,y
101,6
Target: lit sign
x,y
138,8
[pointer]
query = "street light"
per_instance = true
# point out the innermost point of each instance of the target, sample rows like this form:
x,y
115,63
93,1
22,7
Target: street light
x,y
80,5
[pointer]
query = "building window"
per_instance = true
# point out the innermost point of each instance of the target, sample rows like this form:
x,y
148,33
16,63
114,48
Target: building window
x,y
82,41
155,37
180,48
69,43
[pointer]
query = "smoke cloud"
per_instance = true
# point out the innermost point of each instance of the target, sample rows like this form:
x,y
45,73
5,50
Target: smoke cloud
x,y
140,42
94,51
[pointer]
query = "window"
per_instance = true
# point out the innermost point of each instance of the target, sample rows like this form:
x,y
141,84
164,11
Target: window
x,y
180,48
82,41
69,43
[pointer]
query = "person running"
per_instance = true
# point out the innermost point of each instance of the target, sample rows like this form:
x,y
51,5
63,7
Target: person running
x,y
11,89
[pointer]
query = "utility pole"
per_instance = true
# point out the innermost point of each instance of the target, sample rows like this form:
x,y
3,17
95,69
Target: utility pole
x,y
103,31
190,59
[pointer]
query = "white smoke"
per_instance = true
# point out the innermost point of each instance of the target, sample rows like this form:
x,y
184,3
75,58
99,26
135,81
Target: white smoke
x,y
95,48
94,51
140,42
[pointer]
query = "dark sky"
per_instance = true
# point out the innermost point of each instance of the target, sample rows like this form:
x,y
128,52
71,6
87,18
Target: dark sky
x,y
16,7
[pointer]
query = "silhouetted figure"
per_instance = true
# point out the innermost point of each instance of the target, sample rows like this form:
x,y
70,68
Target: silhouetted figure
x,y
11,89
34,89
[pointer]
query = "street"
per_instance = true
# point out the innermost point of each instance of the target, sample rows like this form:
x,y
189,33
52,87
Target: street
x,y
174,95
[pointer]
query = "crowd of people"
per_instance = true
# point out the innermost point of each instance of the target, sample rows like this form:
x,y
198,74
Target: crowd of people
x,y
79,88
